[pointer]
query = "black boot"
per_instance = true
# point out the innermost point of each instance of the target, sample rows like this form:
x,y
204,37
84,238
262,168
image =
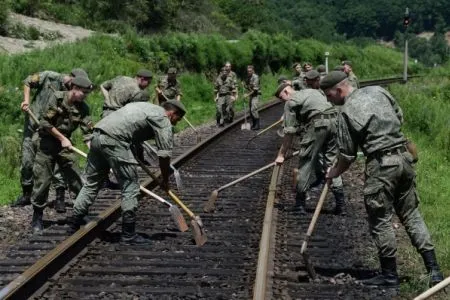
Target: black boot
x,y
300,202
60,205
430,261
25,198
339,210
75,222
129,236
388,276
37,224
255,125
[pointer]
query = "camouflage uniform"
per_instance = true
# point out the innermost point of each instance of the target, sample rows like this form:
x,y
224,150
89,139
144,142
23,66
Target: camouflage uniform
x,y
121,90
110,149
224,89
44,83
353,80
233,78
309,107
170,89
66,118
252,86
371,119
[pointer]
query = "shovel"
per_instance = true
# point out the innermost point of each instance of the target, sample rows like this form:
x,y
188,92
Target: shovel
x,y
174,211
306,258
196,223
211,204
428,293
176,173
263,131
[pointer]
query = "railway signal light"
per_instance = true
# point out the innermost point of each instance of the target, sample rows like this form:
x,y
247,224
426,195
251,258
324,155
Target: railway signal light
x,y
406,19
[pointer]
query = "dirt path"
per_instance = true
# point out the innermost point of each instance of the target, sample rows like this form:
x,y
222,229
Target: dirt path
x,y
67,33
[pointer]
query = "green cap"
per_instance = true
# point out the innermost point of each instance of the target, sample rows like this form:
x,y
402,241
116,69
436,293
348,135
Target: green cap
x,y
347,62
313,74
282,79
78,72
172,71
82,82
339,68
280,88
144,73
333,78
321,68
180,107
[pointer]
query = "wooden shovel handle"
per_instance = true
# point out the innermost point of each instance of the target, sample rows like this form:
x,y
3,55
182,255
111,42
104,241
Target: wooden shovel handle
x,y
428,293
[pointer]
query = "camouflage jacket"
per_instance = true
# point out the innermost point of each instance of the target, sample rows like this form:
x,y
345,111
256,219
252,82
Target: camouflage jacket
x,y
45,84
370,119
298,81
353,80
138,122
66,118
122,90
304,105
233,77
224,87
169,89
251,85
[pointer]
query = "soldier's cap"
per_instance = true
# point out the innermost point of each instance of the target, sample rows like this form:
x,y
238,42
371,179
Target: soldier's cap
x,y
333,78
78,72
82,82
280,88
347,62
282,79
295,65
180,107
172,71
339,68
321,68
313,74
144,73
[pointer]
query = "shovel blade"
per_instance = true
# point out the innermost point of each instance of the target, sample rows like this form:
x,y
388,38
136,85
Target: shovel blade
x,y
198,231
178,218
245,126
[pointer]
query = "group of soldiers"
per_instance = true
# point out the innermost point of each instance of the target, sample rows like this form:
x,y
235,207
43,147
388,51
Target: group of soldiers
x,y
369,119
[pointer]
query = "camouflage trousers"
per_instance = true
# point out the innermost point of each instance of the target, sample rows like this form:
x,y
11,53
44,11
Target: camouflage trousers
x,y
253,107
318,150
29,148
107,153
390,186
224,109
49,154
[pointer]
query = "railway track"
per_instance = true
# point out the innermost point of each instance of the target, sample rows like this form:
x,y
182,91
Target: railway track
x,y
95,266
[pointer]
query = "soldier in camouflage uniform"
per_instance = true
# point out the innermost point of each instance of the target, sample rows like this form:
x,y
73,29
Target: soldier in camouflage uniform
x,y
65,112
231,74
45,83
168,87
310,108
252,87
297,80
110,149
351,76
225,95
123,90
371,119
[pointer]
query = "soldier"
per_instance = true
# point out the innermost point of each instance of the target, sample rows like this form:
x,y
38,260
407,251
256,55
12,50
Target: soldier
x,y
351,76
251,84
45,83
371,119
225,95
322,71
123,90
297,80
231,73
65,112
110,149
168,87
310,108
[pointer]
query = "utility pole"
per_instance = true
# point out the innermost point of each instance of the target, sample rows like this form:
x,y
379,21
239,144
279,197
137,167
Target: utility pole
x,y
326,61
406,21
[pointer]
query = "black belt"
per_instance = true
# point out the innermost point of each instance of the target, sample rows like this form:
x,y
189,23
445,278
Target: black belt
x,y
380,153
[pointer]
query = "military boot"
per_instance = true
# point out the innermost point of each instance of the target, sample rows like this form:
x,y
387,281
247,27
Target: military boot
x,y
25,198
129,235
36,223
75,222
430,261
388,276
60,205
300,202
339,209
255,124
